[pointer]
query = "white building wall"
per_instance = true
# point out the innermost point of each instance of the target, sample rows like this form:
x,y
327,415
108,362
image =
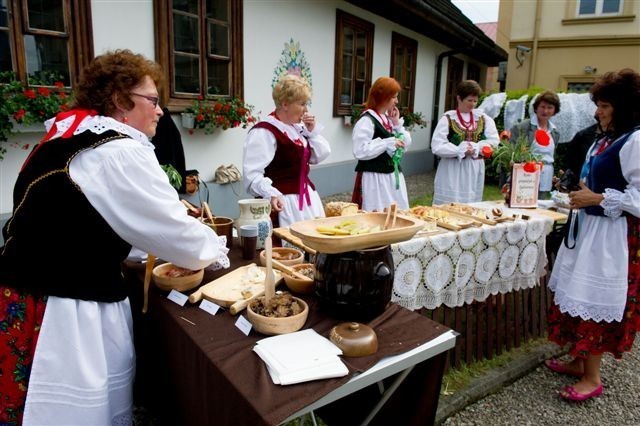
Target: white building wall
x,y
268,25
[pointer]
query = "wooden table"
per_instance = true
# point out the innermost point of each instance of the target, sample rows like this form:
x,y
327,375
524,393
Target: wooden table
x,y
195,368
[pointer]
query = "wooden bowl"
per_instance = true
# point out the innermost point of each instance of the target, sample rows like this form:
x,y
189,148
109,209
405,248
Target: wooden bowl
x,y
183,283
298,285
279,253
272,326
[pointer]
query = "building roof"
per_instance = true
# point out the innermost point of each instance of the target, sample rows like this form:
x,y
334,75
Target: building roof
x,y
490,29
441,21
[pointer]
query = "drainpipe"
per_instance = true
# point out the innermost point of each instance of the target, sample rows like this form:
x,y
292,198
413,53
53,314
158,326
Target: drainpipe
x,y
534,47
436,90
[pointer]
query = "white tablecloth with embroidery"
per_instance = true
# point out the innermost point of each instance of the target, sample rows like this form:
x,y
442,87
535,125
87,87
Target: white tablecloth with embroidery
x,y
455,268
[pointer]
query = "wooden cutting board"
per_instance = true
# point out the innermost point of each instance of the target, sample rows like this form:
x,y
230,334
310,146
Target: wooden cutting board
x,y
239,284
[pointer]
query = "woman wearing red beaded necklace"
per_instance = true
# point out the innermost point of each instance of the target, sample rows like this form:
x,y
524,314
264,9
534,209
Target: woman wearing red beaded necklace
x,y
462,136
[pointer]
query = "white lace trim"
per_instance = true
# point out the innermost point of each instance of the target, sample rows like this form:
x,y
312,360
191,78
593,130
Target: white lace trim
x,y
587,311
97,124
612,202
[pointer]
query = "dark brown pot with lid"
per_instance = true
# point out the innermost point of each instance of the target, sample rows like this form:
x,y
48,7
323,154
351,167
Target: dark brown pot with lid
x,y
354,339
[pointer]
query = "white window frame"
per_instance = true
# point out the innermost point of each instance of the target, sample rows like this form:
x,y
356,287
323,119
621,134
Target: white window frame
x,y
598,12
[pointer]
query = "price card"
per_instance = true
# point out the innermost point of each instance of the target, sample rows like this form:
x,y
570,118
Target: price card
x,y
524,187
210,307
177,297
243,325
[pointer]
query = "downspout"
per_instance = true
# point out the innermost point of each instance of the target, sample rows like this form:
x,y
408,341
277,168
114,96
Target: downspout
x,y
436,90
534,47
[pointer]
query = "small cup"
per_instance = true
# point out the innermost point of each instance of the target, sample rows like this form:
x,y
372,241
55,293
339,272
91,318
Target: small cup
x,y
223,226
248,241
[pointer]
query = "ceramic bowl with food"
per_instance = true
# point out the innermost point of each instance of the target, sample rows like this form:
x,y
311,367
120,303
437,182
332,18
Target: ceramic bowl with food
x,y
285,255
169,277
299,285
297,309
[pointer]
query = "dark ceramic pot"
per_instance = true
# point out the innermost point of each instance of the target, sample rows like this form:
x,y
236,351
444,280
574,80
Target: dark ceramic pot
x,y
355,285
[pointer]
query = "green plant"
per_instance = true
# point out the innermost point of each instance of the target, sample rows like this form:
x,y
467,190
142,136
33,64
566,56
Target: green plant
x,y
412,119
356,112
174,176
507,153
36,102
221,113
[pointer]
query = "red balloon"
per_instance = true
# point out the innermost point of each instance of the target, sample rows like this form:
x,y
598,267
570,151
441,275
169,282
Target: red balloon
x,y
542,137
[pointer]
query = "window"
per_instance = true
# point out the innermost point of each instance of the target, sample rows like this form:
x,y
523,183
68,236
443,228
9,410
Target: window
x,y
199,45
404,54
46,39
579,87
599,7
473,72
353,62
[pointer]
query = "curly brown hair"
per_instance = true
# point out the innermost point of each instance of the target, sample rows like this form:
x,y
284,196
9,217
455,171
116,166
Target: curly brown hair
x,y
118,72
549,97
622,90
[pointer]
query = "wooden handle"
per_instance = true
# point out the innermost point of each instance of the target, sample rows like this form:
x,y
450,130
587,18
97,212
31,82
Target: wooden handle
x,y
282,267
151,261
269,284
240,305
394,213
208,211
196,296
189,206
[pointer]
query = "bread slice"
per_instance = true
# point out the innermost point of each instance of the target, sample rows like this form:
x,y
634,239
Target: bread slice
x,y
340,208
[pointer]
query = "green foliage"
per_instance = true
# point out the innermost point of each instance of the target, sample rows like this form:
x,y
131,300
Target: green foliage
x,y
412,119
42,99
221,113
492,174
508,153
174,177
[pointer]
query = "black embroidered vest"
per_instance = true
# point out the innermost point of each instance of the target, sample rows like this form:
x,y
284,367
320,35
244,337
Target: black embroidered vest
x,y
56,243
382,163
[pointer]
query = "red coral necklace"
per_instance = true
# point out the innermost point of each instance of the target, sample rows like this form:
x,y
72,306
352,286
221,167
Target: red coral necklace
x,y
469,126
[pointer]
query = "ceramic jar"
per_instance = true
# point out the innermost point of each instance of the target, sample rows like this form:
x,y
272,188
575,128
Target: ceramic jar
x,y
355,285
255,211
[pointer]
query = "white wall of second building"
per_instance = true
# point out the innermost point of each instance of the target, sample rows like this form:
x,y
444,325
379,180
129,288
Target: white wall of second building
x,y
268,25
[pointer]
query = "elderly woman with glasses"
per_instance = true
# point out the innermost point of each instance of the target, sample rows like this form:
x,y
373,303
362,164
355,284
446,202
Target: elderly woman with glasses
x,y
66,347
278,151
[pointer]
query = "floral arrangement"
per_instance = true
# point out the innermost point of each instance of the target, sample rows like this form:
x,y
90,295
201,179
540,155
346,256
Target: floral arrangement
x,y
292,61
413,119
510,152
220,113
42,99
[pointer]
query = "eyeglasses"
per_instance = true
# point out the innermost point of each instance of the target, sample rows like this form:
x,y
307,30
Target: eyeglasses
x,y
153,99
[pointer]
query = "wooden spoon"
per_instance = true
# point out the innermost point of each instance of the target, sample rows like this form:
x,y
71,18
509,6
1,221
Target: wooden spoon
x,y
210,216
282,267
269,284
390,220
151,262
242,304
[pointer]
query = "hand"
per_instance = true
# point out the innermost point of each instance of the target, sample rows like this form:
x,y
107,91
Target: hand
x,y
399,143
309,121
555,180
277,204
394,115
470,151
584,197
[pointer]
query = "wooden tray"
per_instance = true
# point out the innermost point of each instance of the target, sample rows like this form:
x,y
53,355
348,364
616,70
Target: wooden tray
x,y
464,221
227,289
453,207
285,234
404,229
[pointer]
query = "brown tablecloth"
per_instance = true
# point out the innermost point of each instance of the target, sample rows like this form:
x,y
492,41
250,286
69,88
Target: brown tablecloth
x,y
202,369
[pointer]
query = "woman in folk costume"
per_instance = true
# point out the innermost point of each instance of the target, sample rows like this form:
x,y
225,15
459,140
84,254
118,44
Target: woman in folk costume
x,y
66,344
542,136
279,150
463,138
379,139
596,284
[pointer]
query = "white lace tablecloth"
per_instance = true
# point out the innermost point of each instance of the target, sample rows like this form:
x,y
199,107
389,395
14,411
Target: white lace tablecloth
x,y
455,268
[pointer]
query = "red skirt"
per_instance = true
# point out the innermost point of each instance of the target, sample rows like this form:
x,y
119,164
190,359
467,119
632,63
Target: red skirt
x,y
20,321
595,338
